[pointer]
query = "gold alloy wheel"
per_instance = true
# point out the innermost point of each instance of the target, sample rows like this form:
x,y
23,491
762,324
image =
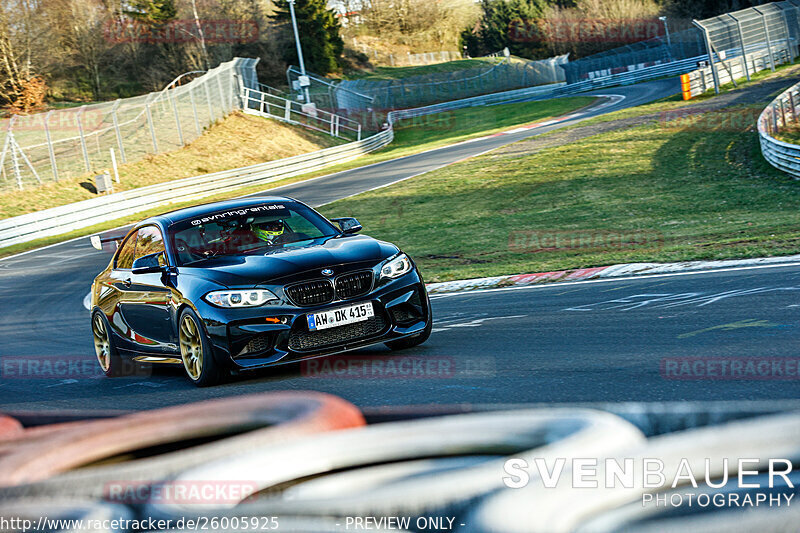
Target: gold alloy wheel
x,y
102,344
191,347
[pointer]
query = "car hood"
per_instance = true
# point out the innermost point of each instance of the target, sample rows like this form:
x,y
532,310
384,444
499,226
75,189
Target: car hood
x,y
263,268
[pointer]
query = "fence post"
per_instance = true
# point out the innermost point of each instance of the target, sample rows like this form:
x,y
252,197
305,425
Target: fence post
x,y
150,123
774,119
15,160
208,101
197,127
710,54
287,113
221,95
177,117
744,49
83,138
115,120
358,133
50,145
766,36
789,49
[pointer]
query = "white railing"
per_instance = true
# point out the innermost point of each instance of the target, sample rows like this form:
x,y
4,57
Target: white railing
x,y
269,105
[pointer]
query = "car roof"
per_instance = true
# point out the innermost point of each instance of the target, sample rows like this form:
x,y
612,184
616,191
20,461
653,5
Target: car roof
x,y
200,210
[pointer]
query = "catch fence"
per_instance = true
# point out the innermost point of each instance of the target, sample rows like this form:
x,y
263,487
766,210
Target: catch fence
x,y
66,143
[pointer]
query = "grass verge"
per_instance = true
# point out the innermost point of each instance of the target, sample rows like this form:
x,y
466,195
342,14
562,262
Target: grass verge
x,y
411,137
396,73
655,192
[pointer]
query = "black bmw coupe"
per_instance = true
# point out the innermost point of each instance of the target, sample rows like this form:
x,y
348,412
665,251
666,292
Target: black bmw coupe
x,y
251,283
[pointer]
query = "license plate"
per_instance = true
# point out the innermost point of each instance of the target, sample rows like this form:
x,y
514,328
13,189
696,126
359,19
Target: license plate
x,y
340,317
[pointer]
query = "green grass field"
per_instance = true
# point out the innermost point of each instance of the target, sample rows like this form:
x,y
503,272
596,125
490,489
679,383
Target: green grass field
x,y
396,73
702,191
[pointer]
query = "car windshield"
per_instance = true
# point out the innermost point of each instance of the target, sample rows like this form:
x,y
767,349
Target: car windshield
x,y
248,230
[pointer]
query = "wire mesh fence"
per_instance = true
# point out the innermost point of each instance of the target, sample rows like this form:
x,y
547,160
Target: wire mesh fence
x,y
504,74
407,59
752,38
67,143
678,46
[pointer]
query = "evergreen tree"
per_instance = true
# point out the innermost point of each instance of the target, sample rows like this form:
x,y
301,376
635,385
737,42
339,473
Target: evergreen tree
x,y
154,11
319,35
506,23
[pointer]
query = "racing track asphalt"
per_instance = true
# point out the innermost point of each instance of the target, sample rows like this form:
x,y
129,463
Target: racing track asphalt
x,y
588,341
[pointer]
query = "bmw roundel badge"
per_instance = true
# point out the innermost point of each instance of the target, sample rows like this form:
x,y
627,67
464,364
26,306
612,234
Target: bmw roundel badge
x,y
327,272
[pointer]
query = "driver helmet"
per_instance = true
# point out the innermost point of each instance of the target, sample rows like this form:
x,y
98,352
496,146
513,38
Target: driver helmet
x,y
267,231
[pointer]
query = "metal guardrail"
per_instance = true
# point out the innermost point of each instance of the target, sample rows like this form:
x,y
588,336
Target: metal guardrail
x,y
778,114
269,105
64,219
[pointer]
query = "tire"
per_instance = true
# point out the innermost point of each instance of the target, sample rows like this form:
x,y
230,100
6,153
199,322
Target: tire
x,y
108,358
196,353
416,340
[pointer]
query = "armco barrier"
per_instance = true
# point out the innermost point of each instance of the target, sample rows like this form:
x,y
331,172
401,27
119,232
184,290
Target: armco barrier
x,y
71,217
778,114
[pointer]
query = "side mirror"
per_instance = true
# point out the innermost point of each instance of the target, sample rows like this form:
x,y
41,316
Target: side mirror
x,y
148,264
348,225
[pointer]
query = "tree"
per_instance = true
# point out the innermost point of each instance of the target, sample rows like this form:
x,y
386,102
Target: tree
x,y
153,11
319,35
503,23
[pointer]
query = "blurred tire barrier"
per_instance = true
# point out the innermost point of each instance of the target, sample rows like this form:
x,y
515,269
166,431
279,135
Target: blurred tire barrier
x,y
257,420
9,427
782,520
373,477
311,466
536,508
64,509
634,517
529,433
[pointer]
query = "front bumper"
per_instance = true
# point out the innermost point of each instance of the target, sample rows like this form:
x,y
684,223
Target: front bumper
x,y
273,335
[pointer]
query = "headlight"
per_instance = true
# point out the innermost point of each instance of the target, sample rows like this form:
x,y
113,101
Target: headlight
x,y
240,298
394,268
